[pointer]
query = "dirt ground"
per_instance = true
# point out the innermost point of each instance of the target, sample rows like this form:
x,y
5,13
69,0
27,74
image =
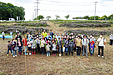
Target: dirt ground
x,y
54,65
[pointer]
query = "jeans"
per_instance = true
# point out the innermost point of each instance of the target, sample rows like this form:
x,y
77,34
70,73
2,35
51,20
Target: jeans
x,y
48,53
8,51
102,48
85,50
42,50
20,49
13,52
66,50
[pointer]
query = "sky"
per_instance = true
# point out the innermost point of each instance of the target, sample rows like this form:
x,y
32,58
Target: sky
x,y
75,8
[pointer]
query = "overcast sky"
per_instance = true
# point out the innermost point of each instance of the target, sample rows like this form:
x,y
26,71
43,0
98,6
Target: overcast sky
x,y
75,8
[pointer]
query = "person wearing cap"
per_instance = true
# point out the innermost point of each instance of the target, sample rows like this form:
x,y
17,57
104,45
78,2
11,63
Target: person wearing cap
x,y
101,44
44,34
78,45
85,42
111,39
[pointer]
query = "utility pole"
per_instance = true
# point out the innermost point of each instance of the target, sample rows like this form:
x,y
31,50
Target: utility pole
x,y
37,8
95,10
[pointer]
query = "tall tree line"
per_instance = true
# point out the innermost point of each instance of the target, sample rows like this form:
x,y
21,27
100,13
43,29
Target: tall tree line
x,y
8,10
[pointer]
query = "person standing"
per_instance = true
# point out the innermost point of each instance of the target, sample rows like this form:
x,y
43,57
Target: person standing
x,y
24,41
78,45
44,34
101,44
19,44
13,45
51,33
85,44
92,45
70,49
111,39
18,36
66,46
3,35
42,45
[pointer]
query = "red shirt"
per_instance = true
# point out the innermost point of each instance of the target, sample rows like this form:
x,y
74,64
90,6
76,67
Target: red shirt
x,y
24,42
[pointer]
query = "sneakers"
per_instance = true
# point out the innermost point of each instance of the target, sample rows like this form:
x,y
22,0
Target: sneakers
x,y
13,56
75,52
7,54
60,55
98,55
102,56
29,53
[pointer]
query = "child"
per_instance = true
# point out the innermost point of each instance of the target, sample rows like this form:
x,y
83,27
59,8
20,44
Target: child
x,y
54,49
9,48
29,46
48,49
24,41
13,45
34,46
19,44
42,45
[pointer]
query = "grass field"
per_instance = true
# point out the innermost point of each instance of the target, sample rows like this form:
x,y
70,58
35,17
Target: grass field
x,y
55,65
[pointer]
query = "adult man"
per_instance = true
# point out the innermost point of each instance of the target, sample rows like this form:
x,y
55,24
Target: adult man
x,y
18,36
111,39
44,34
85,44
101,44
51,33
3,35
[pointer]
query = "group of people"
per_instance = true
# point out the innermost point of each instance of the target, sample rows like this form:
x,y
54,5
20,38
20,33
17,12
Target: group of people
x,y
56,44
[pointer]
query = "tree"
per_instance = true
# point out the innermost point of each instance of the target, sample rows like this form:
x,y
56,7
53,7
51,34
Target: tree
x,y
110,17
92,18
8,10
39,17
48,17
57,16
67,16
104,17
86,17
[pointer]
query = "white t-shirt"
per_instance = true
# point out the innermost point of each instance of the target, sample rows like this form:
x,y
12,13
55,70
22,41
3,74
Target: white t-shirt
x,y
101,41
